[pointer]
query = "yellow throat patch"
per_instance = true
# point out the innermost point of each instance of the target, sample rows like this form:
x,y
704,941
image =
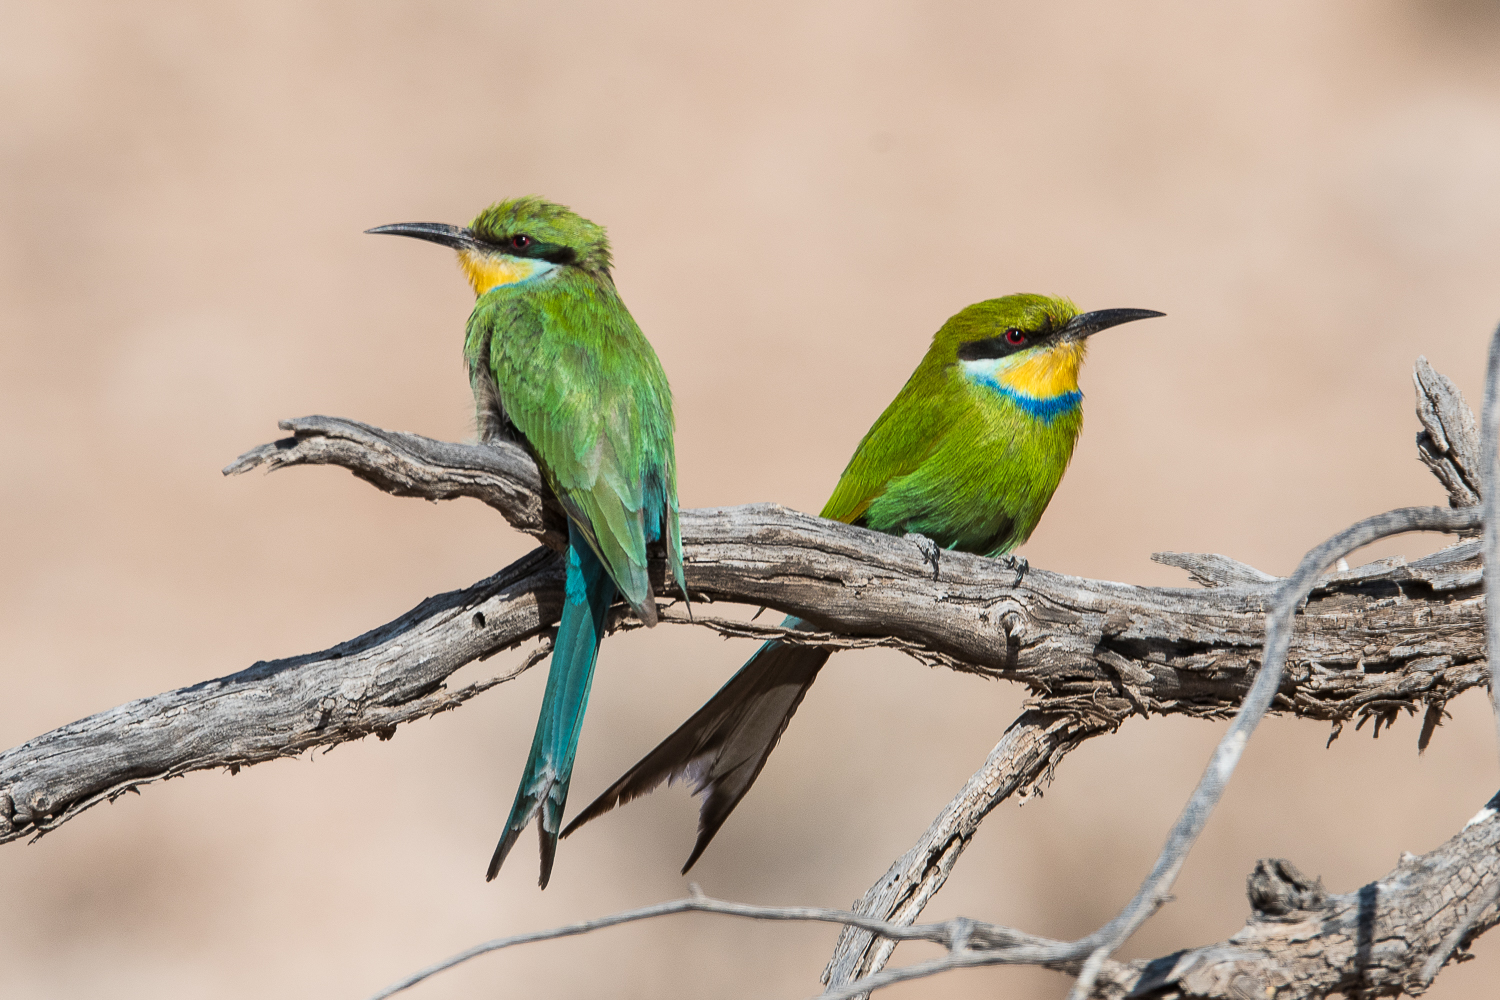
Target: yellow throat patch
x,y
487,271
1043,374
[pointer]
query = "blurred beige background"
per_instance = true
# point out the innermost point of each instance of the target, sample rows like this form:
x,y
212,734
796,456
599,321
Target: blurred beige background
x,y
798,196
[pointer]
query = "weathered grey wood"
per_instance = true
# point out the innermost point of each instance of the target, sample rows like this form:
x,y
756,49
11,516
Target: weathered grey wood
x,y
900,894
1448,442
1021,762
279,708
1002,945
1213,570
1373,942
501,473
1299,943
1155,891
1092,653
1371,644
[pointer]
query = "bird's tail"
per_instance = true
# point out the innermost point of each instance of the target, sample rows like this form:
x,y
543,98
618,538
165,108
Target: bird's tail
x,y
722,748
544,784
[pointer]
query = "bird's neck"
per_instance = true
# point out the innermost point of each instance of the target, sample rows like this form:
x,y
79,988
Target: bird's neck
x,y
489,271
1042,382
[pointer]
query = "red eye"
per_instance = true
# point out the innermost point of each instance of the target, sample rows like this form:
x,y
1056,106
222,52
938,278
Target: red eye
x,y
1014,337
520,241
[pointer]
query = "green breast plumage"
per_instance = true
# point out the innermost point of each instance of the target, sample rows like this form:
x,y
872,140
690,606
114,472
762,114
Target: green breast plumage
x,y
961,460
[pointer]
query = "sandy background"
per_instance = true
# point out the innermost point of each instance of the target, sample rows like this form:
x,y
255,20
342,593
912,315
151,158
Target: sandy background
x,y
798,197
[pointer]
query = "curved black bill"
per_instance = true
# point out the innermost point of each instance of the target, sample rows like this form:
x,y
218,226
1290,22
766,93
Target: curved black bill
x,y
1087,324
456,237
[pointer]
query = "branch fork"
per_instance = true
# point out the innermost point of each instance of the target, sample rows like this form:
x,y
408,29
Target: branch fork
x,y
1092,652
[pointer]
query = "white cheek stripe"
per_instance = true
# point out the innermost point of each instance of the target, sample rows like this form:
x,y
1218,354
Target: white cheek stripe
x,y
983,371
538,268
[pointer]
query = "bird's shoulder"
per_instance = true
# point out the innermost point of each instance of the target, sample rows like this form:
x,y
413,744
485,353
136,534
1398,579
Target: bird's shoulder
x,y
907,434
582,384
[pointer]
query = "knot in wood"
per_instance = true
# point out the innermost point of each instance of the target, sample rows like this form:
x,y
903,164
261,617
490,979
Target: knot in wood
x,y
36,807
1277,888
1012,622
1116,623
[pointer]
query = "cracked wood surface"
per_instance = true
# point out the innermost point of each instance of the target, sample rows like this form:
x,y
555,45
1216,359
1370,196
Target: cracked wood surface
x,y
1373,641
1448,445
1301,944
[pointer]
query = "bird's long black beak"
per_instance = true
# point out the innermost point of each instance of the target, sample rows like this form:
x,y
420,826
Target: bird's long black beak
x,y
456,237
1088,324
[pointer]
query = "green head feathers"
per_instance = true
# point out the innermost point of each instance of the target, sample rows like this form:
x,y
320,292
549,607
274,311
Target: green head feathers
x,y
998,328
972,448
531,227
516,240
1027,347
1032,315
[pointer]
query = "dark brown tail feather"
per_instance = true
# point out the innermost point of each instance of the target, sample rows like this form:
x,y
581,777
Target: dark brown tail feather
x,y
722,748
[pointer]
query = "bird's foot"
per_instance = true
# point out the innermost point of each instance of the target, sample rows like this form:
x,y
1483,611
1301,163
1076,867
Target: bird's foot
x,y
1019,564
930,550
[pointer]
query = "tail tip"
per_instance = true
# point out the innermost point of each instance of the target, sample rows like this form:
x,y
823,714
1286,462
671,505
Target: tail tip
x,y
496,860
692,860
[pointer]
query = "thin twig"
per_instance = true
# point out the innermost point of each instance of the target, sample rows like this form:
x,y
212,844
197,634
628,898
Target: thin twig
x,y
1023,760
973,943
1416,897
1221,765
944,933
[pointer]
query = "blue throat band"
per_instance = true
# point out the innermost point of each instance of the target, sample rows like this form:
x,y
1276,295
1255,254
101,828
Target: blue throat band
x,y
1045,410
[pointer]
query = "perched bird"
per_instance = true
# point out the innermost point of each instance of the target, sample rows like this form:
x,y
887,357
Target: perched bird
x,y
557,363
968,454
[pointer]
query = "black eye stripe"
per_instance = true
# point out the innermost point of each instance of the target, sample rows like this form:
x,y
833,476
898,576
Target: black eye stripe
x,y
999,346
991,347
554,253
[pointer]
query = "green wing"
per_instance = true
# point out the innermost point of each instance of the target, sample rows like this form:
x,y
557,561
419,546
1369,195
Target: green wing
x,y
581,383
956,463
910,429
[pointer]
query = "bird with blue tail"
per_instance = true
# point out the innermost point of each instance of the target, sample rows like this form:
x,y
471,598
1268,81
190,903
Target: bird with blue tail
x,y
968,454
557,364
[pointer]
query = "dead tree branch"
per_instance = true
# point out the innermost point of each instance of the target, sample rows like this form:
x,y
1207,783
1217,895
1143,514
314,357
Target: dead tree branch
x,y
1022,761
1370,643
1298,944
1448,445
1373,642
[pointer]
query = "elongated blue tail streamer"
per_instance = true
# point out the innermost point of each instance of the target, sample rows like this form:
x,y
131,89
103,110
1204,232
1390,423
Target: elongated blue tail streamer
x,y
544,784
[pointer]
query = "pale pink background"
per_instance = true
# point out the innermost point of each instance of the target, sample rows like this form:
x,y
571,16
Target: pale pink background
x,y
798,196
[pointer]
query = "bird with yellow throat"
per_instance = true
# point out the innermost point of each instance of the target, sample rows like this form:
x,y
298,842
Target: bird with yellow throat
x,y
968,454
557,364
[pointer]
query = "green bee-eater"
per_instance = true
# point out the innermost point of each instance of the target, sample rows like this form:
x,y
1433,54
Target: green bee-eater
x,y
557,363
968,454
